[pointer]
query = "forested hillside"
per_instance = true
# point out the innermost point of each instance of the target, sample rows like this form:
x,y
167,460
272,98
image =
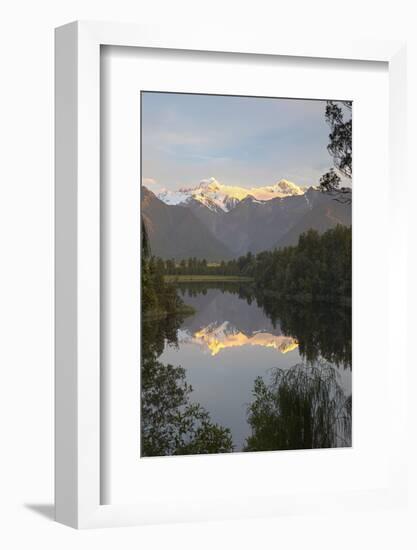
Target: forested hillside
x,y
318,268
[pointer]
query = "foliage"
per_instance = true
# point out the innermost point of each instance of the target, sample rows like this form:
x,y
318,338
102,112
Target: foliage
x,y
340,137
330,181
302,408
340,149
146,247
158,297
318,268
171,424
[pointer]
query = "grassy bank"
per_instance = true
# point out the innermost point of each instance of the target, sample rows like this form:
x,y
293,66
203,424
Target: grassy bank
x,y
206,279
154,315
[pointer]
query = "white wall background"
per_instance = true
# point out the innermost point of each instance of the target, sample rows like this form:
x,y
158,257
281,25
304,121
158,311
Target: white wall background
x,y
26,268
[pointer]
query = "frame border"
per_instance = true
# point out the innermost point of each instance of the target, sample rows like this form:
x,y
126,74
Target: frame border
x,y
77,251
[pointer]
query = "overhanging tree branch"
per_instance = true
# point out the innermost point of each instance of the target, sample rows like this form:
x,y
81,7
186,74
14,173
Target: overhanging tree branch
x,y
340,148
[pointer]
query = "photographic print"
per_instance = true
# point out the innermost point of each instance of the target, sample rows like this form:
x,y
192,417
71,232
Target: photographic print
x,y
246,274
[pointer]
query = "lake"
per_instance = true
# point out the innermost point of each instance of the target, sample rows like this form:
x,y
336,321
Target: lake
x,y
237,335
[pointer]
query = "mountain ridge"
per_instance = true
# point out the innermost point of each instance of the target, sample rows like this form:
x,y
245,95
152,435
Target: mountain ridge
x,y
175,232
204,229
216,195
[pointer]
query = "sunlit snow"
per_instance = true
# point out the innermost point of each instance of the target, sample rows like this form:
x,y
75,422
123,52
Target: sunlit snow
x,y
214,194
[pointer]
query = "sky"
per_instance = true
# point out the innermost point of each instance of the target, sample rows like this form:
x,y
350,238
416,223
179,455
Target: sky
x,y
245,141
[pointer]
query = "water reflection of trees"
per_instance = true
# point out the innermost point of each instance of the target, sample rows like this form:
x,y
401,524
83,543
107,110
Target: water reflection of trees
x,y
322,331
301,408
244,291
171,424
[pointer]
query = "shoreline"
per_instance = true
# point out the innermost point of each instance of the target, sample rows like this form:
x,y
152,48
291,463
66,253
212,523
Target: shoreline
x,y
207,279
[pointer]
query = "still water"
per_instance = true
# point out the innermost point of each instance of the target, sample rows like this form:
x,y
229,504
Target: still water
x,y
236,336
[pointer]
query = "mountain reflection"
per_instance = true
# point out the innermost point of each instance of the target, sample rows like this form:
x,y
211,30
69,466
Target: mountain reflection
x,y
217,337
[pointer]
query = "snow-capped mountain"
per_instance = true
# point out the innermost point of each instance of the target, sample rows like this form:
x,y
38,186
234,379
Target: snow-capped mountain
x,y
217,196
218,222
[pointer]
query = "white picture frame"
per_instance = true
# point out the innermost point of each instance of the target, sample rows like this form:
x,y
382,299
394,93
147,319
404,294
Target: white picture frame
x,y
77,242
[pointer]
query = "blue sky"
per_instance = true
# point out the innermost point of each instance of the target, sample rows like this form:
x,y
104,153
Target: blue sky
x,y
237,140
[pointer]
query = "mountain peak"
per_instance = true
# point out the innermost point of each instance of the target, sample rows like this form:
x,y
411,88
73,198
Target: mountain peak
x,y
216,195
211,184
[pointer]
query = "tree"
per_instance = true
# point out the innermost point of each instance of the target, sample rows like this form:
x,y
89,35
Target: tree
x,y
149,297
171,424
330,180
146,249
302,408
158,297
340,146
340,149
318,268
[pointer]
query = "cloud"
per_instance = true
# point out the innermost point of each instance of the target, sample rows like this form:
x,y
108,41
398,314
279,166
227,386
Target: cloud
x,y
153,184
149,181
239,140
